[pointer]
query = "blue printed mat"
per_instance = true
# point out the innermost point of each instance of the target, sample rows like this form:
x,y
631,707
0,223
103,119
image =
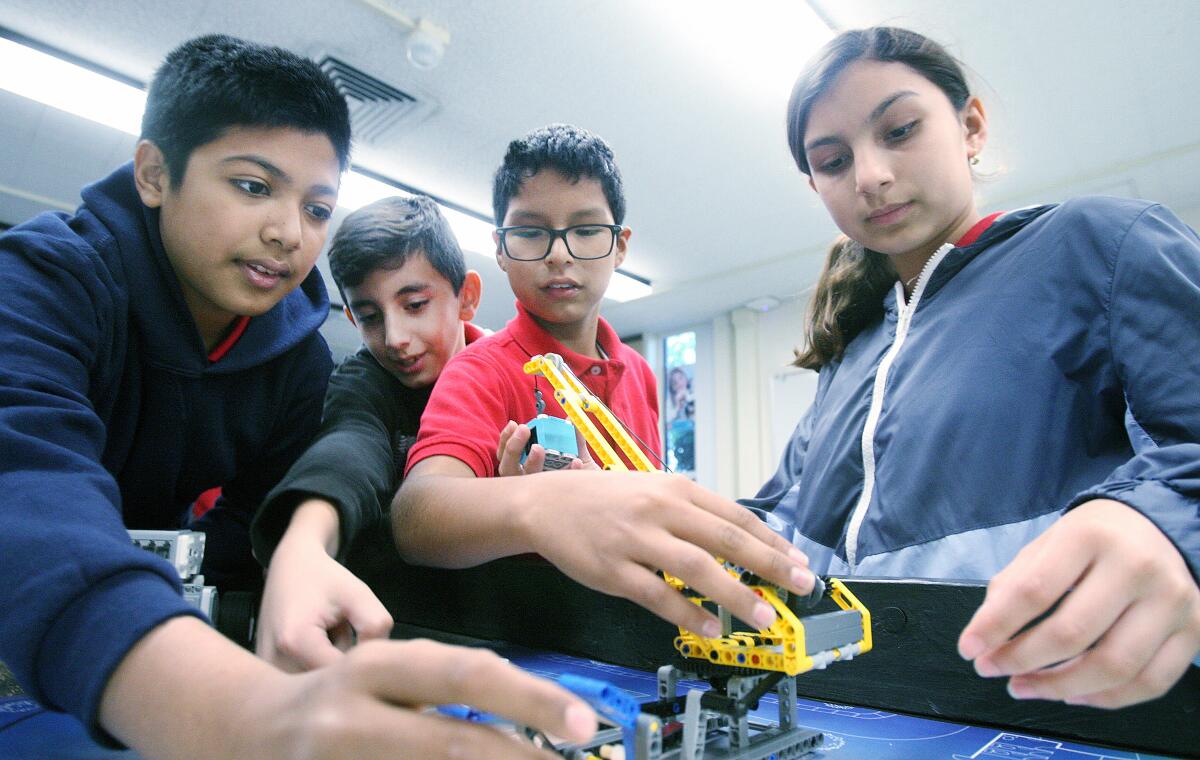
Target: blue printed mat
x,y
851,733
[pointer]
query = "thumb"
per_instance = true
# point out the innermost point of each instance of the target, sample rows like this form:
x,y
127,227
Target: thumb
x,y
585,454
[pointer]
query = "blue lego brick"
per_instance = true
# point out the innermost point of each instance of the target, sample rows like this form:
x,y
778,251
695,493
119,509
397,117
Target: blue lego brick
x,y
556,436
610,702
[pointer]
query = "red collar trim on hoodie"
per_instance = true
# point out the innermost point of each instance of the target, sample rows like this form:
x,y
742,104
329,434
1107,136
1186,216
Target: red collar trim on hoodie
x,y
222,348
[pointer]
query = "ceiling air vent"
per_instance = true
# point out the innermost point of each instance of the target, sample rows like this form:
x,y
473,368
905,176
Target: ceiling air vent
x,y
376,107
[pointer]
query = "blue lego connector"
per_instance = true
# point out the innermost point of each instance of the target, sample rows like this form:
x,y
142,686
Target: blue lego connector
x,y
557,437
467,713
609,702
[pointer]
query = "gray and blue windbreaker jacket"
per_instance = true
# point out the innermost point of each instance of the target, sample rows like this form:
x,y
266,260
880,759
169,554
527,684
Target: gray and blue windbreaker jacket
x,y
1054,360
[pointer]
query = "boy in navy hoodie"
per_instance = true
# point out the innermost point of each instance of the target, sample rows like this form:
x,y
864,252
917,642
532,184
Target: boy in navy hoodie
x,y
161,341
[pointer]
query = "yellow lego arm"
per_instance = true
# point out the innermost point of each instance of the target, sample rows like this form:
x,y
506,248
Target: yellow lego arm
x,y
577,401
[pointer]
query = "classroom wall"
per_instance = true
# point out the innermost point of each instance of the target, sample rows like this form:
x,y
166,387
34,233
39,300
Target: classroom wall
x,y
1190,215
757,397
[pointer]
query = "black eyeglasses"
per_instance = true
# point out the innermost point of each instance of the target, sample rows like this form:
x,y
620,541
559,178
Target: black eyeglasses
x,y
584,241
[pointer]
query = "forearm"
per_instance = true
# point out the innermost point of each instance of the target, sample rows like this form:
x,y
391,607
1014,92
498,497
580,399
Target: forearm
x,y
351,472
453,521
315,521
165,712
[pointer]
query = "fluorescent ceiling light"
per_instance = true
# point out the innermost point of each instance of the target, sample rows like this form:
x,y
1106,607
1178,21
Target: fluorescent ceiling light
x,y
622,288
473,233
54,82
77,90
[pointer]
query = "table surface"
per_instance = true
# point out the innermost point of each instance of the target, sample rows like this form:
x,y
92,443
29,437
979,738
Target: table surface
x,y
851,733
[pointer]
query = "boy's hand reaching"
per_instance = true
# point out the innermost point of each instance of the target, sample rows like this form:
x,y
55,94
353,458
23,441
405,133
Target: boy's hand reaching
x,y
512,445
371,703
608,530
1127,624
613,530
313,608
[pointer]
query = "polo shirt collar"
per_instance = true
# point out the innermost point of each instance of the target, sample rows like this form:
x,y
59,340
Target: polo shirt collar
x,y
534,339
471,333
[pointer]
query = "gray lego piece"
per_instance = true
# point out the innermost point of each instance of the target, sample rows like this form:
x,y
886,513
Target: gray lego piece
x,y
832,630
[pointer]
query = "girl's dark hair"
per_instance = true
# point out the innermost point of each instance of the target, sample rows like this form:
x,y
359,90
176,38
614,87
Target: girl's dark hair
x,y
848,297
850,291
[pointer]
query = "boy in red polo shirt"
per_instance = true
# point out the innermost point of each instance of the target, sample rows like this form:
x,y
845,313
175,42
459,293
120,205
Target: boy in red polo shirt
x,y
559,201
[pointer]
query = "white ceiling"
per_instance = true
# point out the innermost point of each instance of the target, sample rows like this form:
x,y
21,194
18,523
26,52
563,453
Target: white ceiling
x,y
1084,96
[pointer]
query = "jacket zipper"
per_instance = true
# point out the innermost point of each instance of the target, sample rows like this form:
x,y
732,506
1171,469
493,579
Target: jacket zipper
x,y
903,321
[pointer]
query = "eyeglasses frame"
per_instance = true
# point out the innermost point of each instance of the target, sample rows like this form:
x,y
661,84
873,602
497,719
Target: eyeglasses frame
x,y
555,234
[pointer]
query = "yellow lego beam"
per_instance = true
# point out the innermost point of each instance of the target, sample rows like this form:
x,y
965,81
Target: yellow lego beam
x,y
577,401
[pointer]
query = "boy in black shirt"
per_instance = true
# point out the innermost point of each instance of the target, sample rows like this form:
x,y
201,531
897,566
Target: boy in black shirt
x,y
406,287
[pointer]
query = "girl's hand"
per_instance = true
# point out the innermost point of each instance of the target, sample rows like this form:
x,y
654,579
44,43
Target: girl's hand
x,y
1127,622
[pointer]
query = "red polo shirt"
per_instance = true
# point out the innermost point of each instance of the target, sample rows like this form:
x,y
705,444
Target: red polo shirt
x,y
485,386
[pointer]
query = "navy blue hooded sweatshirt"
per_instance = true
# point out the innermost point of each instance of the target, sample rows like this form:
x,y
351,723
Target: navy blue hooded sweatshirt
x,y
112,417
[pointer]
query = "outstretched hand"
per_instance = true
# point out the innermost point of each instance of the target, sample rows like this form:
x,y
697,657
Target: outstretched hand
x,y
1127,624
613,530
373,703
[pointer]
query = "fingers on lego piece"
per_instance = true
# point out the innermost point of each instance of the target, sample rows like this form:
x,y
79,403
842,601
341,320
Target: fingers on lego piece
x,y
697,568
643,587
745,540
535,460
425,672
707,577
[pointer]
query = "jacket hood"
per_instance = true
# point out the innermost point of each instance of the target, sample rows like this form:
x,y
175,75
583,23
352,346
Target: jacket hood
x,y
156,303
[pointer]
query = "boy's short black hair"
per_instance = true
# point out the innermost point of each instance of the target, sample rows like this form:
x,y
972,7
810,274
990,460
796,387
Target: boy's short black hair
x,y
212,83
386,234
572,152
